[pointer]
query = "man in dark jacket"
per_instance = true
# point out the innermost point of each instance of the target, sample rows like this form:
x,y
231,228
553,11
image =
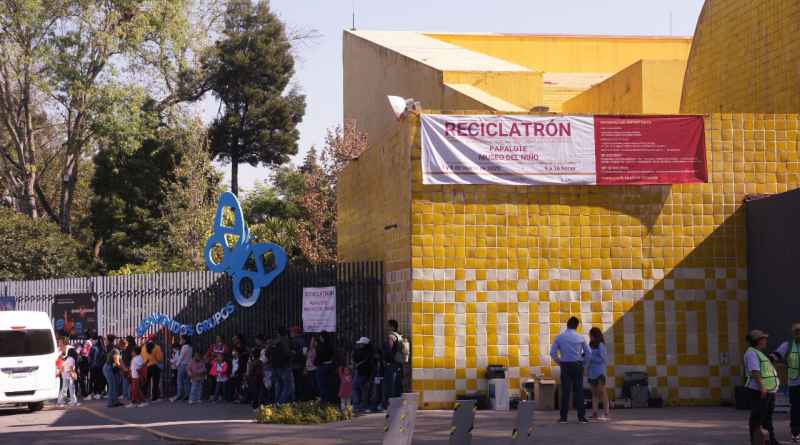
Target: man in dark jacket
x,y
364,364
280,357
97,358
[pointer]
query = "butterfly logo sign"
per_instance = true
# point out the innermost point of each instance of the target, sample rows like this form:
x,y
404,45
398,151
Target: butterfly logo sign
x,y
242,259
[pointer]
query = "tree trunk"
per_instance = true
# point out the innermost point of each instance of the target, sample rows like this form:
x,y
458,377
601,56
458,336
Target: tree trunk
x,y
69,178
235,175
30,195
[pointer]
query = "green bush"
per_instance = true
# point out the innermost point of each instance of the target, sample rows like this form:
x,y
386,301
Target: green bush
x,y
302,413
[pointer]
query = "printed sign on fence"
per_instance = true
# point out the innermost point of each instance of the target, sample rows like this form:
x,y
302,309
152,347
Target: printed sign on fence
x,y
75,314
8,303
319,309
563,150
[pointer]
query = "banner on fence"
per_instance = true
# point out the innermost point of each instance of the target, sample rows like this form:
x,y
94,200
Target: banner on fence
x,y
563,150
319,309
75,314
8,303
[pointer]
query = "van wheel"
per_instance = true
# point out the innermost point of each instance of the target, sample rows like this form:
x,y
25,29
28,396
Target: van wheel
x,y
36,406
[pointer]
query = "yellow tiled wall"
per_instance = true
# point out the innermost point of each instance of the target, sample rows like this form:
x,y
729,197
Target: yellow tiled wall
x,y
495,271
745,58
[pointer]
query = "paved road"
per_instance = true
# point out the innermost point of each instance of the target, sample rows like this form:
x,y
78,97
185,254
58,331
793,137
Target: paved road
x,y
162,423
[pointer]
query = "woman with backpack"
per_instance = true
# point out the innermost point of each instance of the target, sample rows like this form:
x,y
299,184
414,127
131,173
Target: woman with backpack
x,y
395,355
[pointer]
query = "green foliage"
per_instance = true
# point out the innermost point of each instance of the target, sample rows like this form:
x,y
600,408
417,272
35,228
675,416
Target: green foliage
x,y
36,249
249,71
302,413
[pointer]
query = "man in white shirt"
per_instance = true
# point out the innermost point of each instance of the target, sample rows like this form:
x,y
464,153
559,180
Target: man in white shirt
x,y
571,352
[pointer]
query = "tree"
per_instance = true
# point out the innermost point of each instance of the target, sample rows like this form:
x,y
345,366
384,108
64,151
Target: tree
x,y
249,72
189,206
36,249
317,236
56,58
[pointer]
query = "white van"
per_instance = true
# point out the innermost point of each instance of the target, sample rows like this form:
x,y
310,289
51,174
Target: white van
x,y
28,356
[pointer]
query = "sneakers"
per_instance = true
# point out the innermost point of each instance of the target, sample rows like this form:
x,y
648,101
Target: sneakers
x,y
174,399
59,405
130,406
75,404
142,405
583,420
795,438
562,420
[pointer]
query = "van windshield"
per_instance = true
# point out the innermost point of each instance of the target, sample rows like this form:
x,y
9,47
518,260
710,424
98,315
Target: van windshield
x,y
26,342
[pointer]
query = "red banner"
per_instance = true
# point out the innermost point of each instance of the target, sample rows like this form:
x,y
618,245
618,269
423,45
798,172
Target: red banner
x,y
650,149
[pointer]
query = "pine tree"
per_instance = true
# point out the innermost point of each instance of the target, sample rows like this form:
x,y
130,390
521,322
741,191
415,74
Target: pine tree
x,y
249,71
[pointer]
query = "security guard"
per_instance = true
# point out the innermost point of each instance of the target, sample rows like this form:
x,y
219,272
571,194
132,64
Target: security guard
x,y
762,383
789,351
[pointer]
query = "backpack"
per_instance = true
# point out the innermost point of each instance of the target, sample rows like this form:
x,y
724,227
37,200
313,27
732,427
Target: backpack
x,y
402,349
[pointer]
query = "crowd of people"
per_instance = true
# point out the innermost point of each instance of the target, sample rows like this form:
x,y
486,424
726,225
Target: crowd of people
x,y
290,366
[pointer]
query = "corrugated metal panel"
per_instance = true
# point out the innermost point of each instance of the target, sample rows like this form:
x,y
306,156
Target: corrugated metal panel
x,y
189,297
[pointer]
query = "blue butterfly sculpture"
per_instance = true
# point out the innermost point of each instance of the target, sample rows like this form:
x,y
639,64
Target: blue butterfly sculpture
x,y
236,255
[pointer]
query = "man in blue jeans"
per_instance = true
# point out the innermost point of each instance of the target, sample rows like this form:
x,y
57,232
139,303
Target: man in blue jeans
x,y
570,351
280,358
393,359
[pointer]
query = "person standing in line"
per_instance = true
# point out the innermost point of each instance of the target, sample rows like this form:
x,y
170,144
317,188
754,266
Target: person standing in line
x,y
596,373
570,352
327,379
111,371
69,376
312,389
125,371
345,387
298,361
221,372
97,358
762,384
154,363
789,352
364,364
184,358
280,357
196,370
138,368
394,359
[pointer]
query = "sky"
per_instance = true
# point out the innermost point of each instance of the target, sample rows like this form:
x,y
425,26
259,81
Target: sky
x,y
319,65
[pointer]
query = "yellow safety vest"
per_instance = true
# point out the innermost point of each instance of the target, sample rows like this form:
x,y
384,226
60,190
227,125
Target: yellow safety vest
x,y
769,376
793,361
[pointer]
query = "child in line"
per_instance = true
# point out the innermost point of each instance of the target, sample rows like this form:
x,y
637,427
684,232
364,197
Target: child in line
x,y
197,375
137,372
69,376
220,372
345,386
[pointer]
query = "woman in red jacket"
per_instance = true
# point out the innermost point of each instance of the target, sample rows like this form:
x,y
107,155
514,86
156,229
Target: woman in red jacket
x,y
220,370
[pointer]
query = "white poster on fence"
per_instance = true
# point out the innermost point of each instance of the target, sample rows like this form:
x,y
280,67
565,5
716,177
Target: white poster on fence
x,y
319,309
510,150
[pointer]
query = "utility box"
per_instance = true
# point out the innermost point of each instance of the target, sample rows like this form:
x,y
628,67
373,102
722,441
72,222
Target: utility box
x,y
544,393
498,388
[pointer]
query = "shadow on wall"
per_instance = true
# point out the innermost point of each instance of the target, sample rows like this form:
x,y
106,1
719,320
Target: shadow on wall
x,y
687,330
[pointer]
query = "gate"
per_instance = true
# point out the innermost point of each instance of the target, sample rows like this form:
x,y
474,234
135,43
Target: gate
x,y
189,297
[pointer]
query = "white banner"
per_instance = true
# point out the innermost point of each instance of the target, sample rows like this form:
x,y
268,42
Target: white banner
x,y
319,309
509,150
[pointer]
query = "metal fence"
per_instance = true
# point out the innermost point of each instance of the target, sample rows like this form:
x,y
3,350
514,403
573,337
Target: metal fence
x,y
189,297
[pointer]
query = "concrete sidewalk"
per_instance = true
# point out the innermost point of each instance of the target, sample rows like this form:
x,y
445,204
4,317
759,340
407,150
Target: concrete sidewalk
x,y
231,423
167,422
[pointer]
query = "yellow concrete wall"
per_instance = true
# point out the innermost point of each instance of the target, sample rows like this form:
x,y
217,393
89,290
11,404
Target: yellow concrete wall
x,y
619,94
572,54
372,72
745,58
647,86
521,89
374,192
661,269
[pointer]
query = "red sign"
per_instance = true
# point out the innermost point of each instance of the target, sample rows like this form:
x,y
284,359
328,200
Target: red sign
x,y
650,149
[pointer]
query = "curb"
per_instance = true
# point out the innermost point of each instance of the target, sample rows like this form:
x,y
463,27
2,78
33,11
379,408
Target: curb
x,y
168,436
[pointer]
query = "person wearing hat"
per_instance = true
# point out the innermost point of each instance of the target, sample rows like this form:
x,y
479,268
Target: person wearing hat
x,y
789,352
364,364
762,383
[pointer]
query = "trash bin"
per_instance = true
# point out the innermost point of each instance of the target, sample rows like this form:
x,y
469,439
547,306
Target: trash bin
x,y
545,395
498,387
528,388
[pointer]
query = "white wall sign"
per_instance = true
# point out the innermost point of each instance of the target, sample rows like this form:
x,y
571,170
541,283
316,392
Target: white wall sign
x,y
319,309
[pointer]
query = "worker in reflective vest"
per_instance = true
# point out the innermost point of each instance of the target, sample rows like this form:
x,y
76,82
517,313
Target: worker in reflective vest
x,y
762,383
789,351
